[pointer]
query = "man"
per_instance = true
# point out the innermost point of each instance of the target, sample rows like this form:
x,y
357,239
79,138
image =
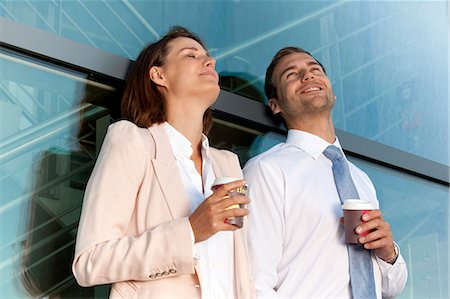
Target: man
x,y
296,236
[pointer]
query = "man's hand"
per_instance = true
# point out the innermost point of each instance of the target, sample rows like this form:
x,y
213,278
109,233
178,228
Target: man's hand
x,y
379,235
209,218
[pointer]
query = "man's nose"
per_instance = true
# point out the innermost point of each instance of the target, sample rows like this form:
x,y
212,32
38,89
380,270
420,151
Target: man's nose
x,y
307,76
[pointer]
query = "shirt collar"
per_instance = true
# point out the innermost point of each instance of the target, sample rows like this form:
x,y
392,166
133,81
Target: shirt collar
x,y
309,143
181,146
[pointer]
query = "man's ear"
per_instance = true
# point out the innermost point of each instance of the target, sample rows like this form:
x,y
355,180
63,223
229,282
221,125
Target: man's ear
x,y
273,104
156,75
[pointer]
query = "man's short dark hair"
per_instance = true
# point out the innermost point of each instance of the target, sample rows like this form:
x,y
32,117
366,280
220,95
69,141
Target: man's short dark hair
x,y
269,87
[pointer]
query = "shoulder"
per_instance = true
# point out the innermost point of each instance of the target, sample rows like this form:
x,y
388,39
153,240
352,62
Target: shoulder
x,y
268,157
269,163
126,134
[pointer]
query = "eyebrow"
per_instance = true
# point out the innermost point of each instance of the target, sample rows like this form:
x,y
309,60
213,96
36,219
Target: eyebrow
x,y
292,67
192,48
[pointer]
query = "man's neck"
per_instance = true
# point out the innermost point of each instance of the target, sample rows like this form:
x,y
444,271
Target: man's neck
x,y
322,127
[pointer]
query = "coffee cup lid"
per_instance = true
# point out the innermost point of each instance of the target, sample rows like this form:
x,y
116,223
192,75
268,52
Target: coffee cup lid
x,y
357,204
224,180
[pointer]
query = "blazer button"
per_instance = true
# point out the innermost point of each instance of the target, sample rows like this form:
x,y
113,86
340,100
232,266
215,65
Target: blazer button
x,y
152,276
173,271
166,273
158,274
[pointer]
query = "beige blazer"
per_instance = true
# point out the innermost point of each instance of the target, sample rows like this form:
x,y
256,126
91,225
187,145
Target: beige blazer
x,y
134,230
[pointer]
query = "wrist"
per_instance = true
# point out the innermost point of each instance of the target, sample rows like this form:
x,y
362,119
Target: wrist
x,y
393,257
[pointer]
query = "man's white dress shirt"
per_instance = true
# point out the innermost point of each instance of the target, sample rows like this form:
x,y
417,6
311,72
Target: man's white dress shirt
x,y
215,255
296,242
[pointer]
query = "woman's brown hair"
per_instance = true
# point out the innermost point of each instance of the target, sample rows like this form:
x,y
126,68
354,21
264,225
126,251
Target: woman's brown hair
x,y
142,103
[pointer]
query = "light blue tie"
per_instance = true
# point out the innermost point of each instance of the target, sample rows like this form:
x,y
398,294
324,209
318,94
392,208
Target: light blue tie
x,y
361,268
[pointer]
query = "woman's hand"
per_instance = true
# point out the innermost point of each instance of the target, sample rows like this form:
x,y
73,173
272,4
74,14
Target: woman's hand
x,y
209,218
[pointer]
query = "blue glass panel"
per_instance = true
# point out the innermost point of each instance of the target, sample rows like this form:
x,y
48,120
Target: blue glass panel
x,y
419,214
51,127
388,60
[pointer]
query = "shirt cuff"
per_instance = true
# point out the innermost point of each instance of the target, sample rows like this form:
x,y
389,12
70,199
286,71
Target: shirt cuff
x,y
393,277
397,250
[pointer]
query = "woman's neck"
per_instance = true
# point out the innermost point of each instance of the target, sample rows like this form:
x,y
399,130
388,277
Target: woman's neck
x,y
192,130
190,127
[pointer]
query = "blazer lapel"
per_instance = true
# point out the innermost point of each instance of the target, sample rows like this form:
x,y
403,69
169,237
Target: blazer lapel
x,y
215,166
168,175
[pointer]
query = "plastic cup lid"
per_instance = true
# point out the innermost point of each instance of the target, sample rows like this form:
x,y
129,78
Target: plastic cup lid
x,y
224,180
357,204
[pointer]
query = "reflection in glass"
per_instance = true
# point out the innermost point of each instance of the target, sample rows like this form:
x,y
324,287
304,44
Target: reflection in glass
x,y
52,127
245,142
388,60
419,214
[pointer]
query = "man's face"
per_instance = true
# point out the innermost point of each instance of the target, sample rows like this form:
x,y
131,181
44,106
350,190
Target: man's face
x,y
302,88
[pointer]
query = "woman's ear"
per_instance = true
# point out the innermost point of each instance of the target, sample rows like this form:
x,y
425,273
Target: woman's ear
x,y
156,75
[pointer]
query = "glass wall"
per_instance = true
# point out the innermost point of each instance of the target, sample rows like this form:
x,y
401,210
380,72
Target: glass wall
x,y
388,60
52,125
419,214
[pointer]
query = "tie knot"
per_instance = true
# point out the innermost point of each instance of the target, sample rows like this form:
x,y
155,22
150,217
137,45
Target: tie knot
x,y
333,153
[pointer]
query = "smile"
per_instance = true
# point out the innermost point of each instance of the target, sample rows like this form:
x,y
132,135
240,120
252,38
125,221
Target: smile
x,y
311,89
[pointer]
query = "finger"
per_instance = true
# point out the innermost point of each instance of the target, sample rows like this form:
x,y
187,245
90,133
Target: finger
x,y
380,243
226,188
370,215
235,212
373,224
341,220
376,235
233,200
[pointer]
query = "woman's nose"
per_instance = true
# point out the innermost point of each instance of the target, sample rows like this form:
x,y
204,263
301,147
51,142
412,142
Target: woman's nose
x,y
210,62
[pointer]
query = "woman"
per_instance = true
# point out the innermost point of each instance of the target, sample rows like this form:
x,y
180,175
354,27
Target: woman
x,y
146,226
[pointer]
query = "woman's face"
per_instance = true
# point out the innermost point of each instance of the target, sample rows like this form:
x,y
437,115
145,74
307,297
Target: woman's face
x,y
188,72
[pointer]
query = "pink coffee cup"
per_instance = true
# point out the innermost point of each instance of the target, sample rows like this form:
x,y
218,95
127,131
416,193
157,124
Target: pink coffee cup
x,y
354,209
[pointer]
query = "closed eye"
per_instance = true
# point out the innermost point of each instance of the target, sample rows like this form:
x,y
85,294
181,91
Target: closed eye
x,y
290,74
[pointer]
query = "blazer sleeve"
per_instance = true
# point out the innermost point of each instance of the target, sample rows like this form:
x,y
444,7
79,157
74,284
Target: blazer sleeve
x,y
105,252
